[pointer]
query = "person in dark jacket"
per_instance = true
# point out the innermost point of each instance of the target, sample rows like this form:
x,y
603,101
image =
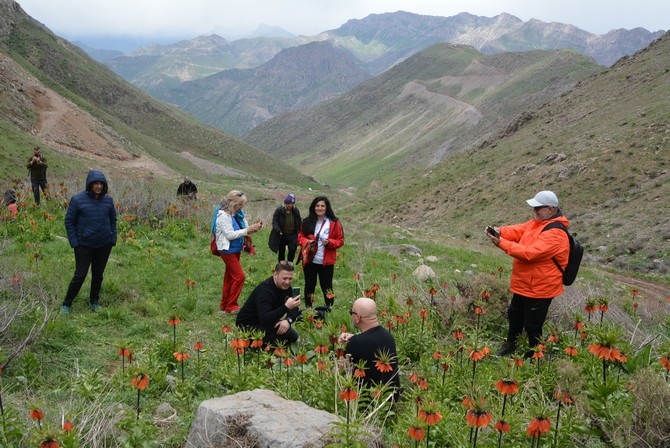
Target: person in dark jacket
x,y
37,165
373,343
90,222
286,223
270,307
187,189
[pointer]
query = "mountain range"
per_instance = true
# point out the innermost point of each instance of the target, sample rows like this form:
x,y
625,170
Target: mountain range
x,y
445,142
202,75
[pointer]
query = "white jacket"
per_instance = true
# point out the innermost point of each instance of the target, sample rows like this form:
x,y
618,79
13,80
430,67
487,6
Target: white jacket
x,y
225,231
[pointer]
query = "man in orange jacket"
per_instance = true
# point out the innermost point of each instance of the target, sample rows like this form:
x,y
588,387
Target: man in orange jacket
x,y
536,279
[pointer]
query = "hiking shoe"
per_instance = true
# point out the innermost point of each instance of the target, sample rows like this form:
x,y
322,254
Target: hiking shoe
x,y
95,307
65,309
506,349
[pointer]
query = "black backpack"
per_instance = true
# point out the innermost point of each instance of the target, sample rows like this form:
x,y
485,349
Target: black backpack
x,y
574,258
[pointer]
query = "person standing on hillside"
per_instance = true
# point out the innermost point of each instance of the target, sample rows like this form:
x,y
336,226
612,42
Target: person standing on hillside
x,y
187,189
90,222
230,227
536,279
270,307
320,236
372,344
286,222
37,166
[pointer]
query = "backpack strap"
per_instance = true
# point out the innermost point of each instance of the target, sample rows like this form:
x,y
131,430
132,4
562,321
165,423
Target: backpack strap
x,y
557,225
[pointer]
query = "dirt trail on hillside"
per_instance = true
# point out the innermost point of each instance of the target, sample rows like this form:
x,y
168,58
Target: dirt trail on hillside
x,y
65,127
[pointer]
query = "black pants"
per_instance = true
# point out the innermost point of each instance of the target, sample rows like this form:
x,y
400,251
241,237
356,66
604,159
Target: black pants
x,y
325,275
286,244
37,184
527,314
86,257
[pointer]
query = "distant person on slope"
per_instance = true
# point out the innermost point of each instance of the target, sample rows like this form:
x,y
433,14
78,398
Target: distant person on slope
x,y
536,279
187,189
286,223
37,166
90,222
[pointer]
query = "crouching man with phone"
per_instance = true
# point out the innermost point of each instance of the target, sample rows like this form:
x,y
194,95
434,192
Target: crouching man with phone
x,y
273,306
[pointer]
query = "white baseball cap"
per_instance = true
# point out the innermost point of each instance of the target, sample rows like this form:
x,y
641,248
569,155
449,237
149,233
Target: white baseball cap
x,y
544,198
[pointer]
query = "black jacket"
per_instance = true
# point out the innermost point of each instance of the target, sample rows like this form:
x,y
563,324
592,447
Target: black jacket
x,y
278,221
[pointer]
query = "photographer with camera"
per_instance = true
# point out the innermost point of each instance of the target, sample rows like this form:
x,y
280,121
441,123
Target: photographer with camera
x,y
37,166
273,306
536,280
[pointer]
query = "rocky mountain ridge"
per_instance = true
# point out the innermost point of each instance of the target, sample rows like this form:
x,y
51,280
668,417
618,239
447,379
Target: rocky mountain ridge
x,y
374,43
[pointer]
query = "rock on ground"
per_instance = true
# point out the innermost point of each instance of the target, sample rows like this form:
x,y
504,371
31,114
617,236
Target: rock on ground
x,y
258,418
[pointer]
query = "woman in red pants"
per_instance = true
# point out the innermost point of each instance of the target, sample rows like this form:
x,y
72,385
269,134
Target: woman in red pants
x,y
230,229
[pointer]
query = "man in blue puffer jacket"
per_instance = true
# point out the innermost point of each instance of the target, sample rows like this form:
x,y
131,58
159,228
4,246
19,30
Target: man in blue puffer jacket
x,y
90,223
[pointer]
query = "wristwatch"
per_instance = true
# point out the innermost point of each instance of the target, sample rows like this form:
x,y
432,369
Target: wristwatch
x,y
290,321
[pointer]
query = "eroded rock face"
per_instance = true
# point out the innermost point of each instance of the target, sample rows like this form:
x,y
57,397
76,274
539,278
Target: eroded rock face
x,y
258,418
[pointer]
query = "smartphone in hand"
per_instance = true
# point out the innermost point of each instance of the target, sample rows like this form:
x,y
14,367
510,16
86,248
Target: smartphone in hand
x,y
492,231
295,291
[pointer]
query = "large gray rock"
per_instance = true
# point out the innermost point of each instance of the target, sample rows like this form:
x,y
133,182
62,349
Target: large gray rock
x,y
258,418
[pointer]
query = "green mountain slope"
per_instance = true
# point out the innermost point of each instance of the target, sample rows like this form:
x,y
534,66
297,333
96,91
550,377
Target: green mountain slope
x,y
132,122
440,101
603,147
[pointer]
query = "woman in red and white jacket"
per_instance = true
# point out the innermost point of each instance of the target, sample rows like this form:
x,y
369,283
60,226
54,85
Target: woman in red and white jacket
x,y
322,230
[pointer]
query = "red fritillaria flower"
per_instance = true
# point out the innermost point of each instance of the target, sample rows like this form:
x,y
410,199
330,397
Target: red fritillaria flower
x,y
423,314
140,381
458,334
68,426
478,419
507,387
416,433
563,396
301,358
665,362
174,320
429,417
321,365
571,350
502,426
359,373
49,443
538,426
226,329
348,393
181,356
198,346
36,414
605,352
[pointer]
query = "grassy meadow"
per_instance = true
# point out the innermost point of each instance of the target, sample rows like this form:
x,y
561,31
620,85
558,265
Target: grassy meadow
x,y
133,374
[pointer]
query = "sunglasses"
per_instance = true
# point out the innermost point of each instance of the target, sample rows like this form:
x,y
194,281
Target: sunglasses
x,y
284,266
540,207
240,194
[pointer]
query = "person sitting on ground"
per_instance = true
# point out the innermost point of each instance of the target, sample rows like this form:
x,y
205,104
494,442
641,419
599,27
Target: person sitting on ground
x,y
9,201
271,308
372,344
188,189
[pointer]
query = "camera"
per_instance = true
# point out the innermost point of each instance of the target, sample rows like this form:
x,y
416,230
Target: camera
x,y
295,291
492,231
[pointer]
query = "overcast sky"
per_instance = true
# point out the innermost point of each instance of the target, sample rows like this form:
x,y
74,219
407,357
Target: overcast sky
x,y
233,19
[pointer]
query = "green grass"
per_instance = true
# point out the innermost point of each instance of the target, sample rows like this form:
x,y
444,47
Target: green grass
x,y
71,366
